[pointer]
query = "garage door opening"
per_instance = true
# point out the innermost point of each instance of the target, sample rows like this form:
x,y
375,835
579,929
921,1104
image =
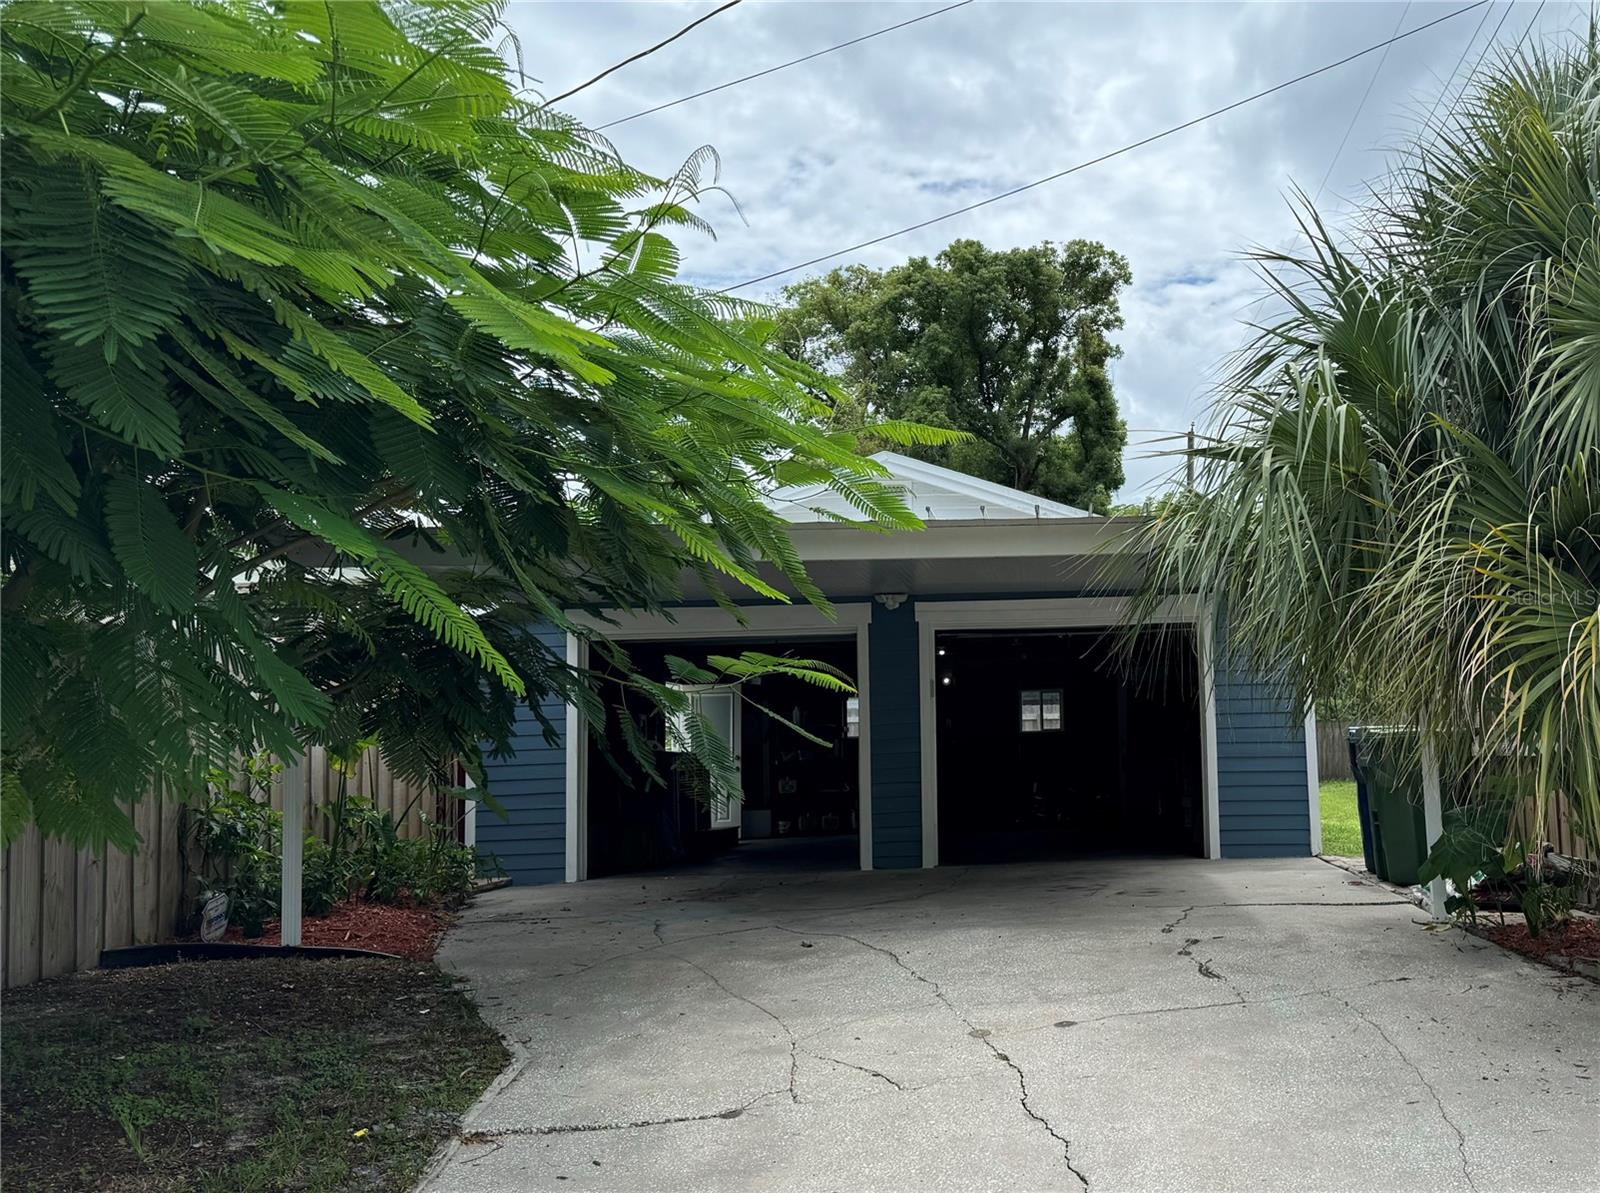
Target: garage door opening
x,y
799,798
1051,745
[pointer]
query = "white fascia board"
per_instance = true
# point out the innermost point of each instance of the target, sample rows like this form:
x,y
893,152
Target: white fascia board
x,y
1050,613
712,621
964,540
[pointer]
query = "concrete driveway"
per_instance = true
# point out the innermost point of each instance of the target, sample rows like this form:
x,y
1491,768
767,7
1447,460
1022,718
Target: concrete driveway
x,y
1166,1025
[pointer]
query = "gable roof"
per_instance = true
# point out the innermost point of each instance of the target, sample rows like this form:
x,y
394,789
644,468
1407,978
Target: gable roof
x,y
933,493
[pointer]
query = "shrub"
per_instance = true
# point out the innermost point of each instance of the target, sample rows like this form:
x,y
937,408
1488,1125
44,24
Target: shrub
x,y
240,839
431,869
239,836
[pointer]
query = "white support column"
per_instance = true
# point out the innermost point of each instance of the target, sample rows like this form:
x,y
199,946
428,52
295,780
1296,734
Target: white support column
x,y
1313,781
469,828
1211,778
864,746
294,828
576,739
1433,820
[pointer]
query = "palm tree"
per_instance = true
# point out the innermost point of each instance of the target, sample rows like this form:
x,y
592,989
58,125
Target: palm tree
x,y
1402,491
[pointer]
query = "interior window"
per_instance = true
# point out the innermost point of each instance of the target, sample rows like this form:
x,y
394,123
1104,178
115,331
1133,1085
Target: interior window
x,y
1041,710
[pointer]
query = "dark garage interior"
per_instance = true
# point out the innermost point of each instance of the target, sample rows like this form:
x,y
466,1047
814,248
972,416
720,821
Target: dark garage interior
x,y
800,798
1053,744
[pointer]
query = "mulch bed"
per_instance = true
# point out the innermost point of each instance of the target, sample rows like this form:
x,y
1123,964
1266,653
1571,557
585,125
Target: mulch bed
x,y
1579,938
409,932
222,1076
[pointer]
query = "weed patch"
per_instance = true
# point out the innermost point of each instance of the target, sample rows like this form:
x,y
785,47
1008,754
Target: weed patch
x,y
238,1075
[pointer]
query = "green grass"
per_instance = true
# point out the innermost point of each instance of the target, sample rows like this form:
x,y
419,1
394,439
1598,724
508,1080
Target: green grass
x,y
238,1076
1341,828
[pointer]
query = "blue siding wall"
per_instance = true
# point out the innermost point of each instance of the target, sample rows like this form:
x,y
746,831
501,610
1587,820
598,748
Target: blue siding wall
x,y
896,739
1261,766
532,785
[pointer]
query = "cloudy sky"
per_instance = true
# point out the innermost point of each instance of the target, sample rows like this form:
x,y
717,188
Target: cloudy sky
x,y
995,94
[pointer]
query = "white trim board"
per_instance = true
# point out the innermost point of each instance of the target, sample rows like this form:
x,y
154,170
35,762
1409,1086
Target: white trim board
x,y
1206,644
981,541
1313,782
851,621
712,621
577,774
1055,613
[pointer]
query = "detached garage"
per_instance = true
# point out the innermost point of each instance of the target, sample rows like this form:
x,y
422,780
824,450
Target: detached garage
x,y
1000,714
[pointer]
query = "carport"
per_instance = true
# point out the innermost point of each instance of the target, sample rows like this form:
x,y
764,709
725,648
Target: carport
x,y
1024,738
799,795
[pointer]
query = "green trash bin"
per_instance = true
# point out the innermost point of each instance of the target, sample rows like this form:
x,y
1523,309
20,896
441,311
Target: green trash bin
x,y
1388,761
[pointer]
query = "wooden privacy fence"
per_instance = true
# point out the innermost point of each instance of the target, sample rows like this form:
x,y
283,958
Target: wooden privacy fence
x,y
64,904
1333,750
1557,831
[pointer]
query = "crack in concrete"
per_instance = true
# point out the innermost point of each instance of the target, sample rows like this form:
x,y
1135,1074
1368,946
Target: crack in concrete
x,y
835,909
834,1060
973,1030
652,948
490,1136
1027,1108
1330,992
794,1041
1438,1102
1204,967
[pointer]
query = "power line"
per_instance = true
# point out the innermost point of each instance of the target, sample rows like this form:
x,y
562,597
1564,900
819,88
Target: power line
x,y
1094,161
1489,45
854,41
1465,50
1455,70
645,53
1356,115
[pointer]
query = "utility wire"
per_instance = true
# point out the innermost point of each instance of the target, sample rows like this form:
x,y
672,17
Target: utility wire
x,y
641,54
1489,45
1094,161
1465,50
1255,306
1365,95
854,41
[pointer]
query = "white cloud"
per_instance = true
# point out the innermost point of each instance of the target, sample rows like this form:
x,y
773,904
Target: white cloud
x,y
984,98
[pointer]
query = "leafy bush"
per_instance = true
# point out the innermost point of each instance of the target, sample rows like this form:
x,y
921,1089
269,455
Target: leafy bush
x,y
1545,905
366,856
1482,858
240,836
431,869
324,882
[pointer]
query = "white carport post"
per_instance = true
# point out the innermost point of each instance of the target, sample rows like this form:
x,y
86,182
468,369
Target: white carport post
x,y
1433,819
294,828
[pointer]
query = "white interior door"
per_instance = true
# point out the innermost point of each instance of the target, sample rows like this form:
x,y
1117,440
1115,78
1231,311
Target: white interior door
x,y
719,706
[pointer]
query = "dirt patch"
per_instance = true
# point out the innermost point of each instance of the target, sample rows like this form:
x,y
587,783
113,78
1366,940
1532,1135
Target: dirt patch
x,y
409,932
229,1075
1578,938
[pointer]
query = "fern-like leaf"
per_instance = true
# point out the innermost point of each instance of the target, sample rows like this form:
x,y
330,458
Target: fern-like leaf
x,y
154,554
